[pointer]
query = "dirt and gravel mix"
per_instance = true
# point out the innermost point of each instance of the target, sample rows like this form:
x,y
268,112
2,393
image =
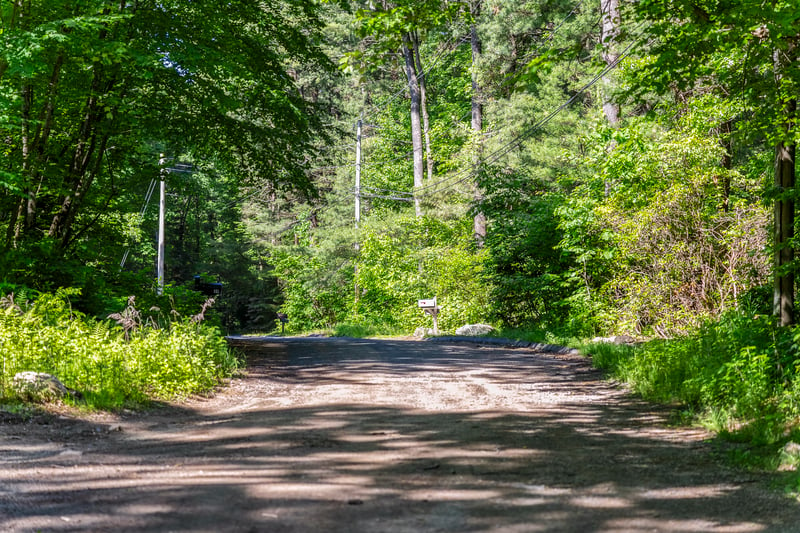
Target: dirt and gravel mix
x,y
341,435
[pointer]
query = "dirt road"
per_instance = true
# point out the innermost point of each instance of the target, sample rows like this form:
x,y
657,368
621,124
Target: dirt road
x,y
334,435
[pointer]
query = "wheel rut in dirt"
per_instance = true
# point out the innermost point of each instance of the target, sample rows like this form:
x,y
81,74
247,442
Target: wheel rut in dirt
x,y
383,435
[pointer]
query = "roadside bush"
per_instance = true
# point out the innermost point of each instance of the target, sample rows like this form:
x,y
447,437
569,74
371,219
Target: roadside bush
x,y
660,256
742,368
112,365
400,260
421,257
316,294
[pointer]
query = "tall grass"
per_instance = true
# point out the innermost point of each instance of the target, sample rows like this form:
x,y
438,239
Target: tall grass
x,y
128,361
743,370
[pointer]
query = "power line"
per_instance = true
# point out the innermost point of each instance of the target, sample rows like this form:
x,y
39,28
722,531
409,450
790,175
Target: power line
x,y
466,174
378,190
514,143
180,167
437,58
387,197
550,37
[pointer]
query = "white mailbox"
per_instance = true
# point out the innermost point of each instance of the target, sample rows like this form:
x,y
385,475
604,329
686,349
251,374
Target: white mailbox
x,y
429,306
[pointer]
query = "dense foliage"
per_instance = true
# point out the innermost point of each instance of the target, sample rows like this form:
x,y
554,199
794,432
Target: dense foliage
x,y
739,375
650,225
92,92
142,356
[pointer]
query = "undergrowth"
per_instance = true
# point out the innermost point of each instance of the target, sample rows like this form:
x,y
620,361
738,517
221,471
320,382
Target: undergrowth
x,y
739,376
130,359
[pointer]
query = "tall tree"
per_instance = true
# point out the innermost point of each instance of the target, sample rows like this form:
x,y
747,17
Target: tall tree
x,y
415,96
84,85
422,78
695,41
396,26
476,122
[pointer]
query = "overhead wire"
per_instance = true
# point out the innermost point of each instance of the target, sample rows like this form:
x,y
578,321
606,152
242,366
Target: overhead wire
x,y
442,53
518,140
464,175
147,196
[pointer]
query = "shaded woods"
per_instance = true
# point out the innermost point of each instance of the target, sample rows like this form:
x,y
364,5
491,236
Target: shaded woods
x,y
559,170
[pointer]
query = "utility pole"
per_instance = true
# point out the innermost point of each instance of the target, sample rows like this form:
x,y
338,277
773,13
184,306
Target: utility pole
x,y
162,207
358,174
358,205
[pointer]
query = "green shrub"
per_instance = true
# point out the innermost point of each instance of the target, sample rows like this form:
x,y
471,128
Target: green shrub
x,y
398,262
129,362
656,247
360,327
743,369
421,257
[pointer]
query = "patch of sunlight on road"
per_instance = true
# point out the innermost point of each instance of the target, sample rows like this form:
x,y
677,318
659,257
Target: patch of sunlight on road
x,y
451,495
648,525
693,492
601,502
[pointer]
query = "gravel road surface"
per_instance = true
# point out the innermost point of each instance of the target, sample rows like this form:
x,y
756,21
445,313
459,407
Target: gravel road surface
x,y
341,435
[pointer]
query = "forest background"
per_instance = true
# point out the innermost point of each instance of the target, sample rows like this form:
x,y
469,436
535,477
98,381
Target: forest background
x,y
559,169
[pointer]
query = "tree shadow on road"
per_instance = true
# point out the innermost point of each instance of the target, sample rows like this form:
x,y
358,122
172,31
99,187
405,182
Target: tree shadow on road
x,y
351,467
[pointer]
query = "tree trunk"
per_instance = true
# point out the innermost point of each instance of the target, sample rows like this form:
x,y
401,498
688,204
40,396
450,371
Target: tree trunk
x,y
40,144
21,219
479,220
80,177
783,301
609,32
416,123
423,100
74,202
727,162
12,224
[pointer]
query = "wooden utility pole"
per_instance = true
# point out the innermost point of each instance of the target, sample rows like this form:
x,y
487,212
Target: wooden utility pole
x,y
358,206
358,174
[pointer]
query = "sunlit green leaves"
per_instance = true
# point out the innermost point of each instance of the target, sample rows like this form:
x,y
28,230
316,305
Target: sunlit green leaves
x,y
657,234
108,368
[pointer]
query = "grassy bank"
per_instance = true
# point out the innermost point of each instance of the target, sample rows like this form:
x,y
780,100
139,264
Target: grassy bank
x,y
739,376
126,360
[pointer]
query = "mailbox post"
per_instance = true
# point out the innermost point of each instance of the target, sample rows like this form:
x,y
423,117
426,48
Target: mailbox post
x,y
284,318
430,307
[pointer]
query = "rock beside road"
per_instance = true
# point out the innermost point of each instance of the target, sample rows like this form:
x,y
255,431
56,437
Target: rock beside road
x,y
421,333
474,330
39,387
616,339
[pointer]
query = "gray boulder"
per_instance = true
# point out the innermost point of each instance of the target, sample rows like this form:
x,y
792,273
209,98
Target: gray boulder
x,y
423,332
474,330
40,387
617,339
